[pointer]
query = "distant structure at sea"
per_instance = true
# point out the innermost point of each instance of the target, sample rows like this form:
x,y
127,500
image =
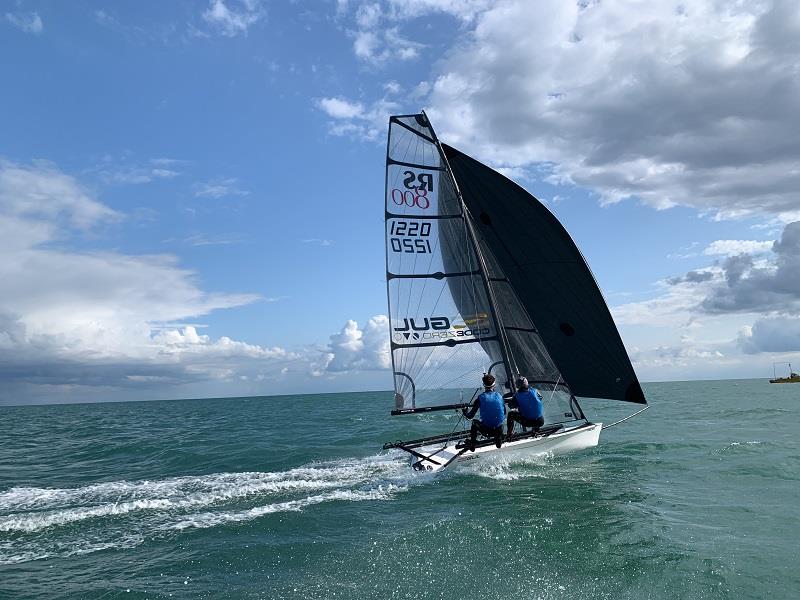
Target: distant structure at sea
x,y
792,378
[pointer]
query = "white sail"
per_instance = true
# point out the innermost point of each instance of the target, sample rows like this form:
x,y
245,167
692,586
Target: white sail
x,y
439,350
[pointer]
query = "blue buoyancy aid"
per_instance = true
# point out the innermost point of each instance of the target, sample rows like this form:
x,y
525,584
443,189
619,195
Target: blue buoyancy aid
x,y
530,404
493,409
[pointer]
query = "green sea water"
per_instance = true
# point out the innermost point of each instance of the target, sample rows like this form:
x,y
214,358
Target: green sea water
x,y
291,497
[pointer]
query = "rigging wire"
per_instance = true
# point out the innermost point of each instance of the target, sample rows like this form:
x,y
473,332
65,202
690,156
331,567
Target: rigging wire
x,y
626,418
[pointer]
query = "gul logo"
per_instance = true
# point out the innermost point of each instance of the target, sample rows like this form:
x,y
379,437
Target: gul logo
x,y
411,329
436,328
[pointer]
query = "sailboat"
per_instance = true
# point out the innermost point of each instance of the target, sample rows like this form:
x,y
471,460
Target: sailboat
x,y
482,278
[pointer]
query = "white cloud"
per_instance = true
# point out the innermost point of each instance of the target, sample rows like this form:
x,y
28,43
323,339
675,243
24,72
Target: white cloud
x,y
675,304
219,188
340,108
713,322
669,105
355,120
771,334
134,175
392,87
200,239
377,38
27,22
101,324
41,191
465,10
95,318
233,18
734,247
741,283
355,349
319,241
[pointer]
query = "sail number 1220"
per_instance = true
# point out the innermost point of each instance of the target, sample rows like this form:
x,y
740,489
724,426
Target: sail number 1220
x,y
413,233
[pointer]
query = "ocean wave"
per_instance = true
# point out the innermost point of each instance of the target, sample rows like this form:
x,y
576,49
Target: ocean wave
x,y
734,445
115,510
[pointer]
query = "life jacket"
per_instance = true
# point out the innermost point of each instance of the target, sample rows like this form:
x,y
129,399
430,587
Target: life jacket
x,y
530,404
493,410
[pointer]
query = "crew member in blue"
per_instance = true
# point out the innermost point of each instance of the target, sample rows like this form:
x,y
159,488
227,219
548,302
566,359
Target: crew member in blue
x,y
528,403
493,413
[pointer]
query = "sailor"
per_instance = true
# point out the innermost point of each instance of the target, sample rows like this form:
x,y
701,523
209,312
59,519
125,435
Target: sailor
x,y
528,403
493,413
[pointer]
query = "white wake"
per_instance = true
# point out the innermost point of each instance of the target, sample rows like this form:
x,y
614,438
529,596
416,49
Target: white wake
x,y
44,522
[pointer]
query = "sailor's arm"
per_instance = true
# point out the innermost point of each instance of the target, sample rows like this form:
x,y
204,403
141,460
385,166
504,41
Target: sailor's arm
x,y
511,399
472,409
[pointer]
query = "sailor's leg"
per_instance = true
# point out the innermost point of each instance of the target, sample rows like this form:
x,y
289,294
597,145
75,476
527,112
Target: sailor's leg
x,y
498,436
512,418
473,435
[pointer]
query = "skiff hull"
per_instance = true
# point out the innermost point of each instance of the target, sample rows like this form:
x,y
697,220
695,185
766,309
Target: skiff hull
x,y
560,442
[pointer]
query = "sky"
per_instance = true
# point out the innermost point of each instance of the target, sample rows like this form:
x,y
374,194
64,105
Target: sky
x,y
191,193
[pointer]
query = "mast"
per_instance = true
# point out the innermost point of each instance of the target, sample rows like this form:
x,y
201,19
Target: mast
x,y
388,298
504,346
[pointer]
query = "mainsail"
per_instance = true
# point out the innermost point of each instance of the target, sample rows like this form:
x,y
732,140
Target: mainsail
x,y
482,278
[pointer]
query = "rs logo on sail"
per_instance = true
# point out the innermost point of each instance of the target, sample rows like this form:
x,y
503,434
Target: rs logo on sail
x,y
435,328
425,181
415,194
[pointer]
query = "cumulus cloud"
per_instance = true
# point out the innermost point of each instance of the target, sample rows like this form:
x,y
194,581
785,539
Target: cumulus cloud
x,y
27,22
233,18
673,105
86,324
95,318
752,286
692,277
356,349
771,334
741,283
755,295
340,108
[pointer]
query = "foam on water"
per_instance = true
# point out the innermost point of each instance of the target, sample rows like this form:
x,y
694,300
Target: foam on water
x,y
125,513
212,519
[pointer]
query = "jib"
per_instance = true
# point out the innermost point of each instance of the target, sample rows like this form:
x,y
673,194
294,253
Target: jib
x,y
425,181
435,323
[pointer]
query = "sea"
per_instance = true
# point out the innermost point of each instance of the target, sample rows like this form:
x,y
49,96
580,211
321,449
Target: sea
x,y
293,497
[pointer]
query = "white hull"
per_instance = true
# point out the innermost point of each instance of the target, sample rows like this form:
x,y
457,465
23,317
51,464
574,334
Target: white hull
x,y
560,442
